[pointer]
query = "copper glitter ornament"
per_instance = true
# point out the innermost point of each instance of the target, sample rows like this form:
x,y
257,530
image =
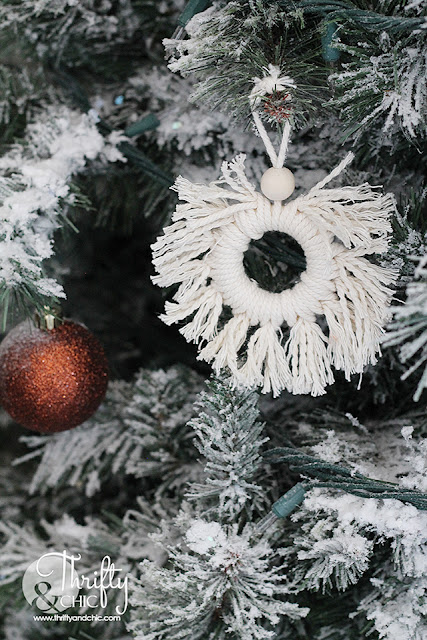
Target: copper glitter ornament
x,y
51,380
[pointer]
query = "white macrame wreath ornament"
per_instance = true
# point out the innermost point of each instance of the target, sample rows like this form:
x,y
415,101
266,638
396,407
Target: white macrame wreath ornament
x,y
203,252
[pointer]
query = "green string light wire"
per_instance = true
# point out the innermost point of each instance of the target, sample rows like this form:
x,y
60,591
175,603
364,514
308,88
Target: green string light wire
x,y
340,10
345,11
321,474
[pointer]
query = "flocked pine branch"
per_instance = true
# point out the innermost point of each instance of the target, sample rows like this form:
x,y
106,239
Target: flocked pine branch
x,y
219,584
389,16
392,594
34,196
139,430
384,88
224,73
402,526
229,438
70,31
330,554
381,85
335,545
339,538
223,579
409,328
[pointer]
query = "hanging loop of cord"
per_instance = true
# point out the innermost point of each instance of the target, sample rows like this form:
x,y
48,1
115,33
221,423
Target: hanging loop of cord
x,y
270,83
278,182
277,160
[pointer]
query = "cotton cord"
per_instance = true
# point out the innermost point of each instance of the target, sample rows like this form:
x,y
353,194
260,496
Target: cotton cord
x,y
335,172
277,160
284,144
243,294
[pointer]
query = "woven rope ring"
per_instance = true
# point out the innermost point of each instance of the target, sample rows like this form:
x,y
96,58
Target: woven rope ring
x,y
243,295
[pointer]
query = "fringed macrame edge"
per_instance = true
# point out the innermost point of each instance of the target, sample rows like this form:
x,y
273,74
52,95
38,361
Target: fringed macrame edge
x,y
359,217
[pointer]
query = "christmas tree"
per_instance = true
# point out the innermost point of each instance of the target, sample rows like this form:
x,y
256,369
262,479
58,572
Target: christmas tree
x,y
282,495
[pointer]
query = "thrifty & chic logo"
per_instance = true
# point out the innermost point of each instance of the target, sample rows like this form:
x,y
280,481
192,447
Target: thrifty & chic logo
x,y
52,584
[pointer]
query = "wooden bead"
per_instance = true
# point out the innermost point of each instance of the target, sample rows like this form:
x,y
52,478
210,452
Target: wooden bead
x,y
278,184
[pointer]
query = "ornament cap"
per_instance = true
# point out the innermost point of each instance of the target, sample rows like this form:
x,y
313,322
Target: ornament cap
x,y
49,318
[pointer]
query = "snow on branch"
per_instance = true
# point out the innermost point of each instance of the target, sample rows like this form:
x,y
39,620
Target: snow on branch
x,y
403,526
397,608
331,554
220,584
384,84
74,30
409,328
35,193
229,438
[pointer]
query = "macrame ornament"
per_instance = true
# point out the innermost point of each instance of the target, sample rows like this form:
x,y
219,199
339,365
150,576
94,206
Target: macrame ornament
x,y
336,311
